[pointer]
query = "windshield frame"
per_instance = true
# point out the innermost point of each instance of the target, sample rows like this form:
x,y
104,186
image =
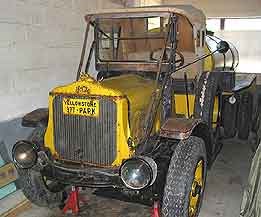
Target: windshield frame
x,y
126,65
99,33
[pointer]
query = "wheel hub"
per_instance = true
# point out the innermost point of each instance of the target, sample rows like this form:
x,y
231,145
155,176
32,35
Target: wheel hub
x,y
196,189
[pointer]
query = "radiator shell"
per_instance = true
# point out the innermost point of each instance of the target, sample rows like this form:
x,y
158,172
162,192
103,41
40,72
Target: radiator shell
x,y
86,139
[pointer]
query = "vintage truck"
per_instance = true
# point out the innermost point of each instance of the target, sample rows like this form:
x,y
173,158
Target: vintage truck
x,y
150,124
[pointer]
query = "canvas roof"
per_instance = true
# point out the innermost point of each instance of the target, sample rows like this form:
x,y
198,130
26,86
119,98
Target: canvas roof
x,y
194,15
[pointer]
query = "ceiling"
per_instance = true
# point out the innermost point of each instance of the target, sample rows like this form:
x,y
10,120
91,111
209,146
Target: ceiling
x,y
212,8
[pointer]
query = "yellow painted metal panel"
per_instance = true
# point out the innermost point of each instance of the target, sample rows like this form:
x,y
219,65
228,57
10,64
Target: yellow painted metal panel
x,y
131,107
49,134
209,61
123,133
181,105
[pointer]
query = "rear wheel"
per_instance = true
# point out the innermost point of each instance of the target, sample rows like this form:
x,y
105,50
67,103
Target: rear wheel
x,y
37,188
244,115
207,90
185,183
207,106
229,116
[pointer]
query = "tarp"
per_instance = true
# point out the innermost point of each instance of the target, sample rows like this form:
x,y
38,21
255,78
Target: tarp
x,y
251,203
194,15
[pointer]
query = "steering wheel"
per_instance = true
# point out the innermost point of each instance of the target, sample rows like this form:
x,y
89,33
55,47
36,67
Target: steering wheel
x,y
155,56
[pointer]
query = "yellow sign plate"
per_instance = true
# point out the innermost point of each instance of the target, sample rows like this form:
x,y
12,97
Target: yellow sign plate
x,y
83,107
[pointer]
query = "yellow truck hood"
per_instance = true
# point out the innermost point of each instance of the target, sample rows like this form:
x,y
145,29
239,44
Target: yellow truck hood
x,y
138,90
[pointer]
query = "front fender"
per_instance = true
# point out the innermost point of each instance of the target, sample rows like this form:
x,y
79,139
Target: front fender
x,y
182,128
179,128
36,118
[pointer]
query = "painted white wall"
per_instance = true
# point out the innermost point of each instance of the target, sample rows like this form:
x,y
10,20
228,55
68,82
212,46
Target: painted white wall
x,y
248,45
224,8
40,45
141,3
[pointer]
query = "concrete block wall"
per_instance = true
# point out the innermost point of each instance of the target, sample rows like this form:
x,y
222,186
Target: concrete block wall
x,y
40,45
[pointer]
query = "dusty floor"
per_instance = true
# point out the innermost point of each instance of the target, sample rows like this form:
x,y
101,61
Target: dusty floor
x,y
225,183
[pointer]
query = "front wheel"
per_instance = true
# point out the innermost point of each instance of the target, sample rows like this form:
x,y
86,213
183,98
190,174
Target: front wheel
x,y
36,187
39,190
185,183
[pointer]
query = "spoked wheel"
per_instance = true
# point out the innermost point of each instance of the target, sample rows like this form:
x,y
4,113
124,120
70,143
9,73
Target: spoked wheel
x,y
196,189
185,182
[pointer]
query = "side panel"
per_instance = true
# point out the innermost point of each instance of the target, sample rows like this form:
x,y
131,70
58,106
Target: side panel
x,y
209,62
49,134
123,133
181,105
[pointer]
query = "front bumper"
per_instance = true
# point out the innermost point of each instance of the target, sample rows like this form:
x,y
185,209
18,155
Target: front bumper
x,y
78,174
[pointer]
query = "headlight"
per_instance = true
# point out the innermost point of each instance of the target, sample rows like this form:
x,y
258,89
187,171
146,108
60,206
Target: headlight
x,y
24,154
138,173
232,100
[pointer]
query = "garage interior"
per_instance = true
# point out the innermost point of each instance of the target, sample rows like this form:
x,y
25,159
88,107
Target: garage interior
x,y
40,46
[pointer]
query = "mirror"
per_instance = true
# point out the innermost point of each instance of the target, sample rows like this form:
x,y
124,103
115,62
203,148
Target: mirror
x,y
222,47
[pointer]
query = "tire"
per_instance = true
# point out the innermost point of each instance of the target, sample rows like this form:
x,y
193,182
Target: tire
x,y
257,115
206,92
180,176
33,183
229,117
244,116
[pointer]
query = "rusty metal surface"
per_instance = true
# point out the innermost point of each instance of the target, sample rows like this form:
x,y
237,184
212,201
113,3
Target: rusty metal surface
x,y
178,128
93,96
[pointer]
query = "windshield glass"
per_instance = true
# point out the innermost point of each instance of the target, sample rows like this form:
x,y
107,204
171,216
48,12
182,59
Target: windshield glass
x,y
139,39
130,39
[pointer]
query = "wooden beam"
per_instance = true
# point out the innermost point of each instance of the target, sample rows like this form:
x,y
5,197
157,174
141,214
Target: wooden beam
x,y
222,23
122,2
8,174
21,207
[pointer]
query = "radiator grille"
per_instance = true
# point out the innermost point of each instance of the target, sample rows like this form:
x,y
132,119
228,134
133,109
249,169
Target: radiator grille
x,y
88,139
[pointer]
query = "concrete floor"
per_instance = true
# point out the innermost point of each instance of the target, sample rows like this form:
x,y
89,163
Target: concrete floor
x,y
225,183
